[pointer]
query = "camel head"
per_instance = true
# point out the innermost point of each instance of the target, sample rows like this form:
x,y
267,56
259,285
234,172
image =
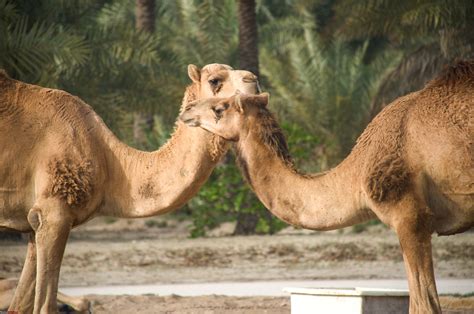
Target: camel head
x,y
218,80
226,117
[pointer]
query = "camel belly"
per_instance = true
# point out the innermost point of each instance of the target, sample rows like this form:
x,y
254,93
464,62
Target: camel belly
x,y
453,212
15,202
13,212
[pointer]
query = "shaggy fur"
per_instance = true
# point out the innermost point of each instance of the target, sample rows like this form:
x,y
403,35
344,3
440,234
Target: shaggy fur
x,y
461,72
272,135
386,171
71,181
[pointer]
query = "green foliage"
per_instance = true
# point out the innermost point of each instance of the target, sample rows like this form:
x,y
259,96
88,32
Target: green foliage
x,y
110,220
152,223
200,32
405,19
226,195
29,49
221,199
428,33
359,228
325,87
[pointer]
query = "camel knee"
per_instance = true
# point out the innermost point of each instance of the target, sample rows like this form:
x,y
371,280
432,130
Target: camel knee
x,y
35,218
54,219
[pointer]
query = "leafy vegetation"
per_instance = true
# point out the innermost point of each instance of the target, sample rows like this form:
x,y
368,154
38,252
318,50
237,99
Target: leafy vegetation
x,y
428,33
328,65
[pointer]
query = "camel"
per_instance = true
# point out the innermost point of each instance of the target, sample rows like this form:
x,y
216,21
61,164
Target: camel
x,y
60,166
412,168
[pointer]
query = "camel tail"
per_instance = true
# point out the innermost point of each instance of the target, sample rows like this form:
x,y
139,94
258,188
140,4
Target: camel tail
x,y
460,72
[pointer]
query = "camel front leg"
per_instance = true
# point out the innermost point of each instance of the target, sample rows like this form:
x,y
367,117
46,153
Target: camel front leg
x,y
79,304
415,242
52,231
8,288
24,296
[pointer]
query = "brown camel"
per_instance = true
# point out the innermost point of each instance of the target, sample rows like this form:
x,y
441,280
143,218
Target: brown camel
x,y
60,166
412,167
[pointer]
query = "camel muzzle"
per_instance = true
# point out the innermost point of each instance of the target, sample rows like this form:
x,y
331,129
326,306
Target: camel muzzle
x,y
191,121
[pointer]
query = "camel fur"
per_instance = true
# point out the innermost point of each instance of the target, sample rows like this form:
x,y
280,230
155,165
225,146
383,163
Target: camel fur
x,y
60,166
412,168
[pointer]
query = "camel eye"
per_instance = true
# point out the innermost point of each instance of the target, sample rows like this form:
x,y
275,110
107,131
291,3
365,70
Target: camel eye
x,y
219,110
214,82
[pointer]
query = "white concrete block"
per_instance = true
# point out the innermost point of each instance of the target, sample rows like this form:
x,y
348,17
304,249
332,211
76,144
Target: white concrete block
x,y
348,301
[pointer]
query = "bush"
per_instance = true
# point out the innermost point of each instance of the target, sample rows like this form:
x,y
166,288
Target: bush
x,y
226,197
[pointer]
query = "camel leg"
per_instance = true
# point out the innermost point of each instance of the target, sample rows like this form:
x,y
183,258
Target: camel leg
x,y
79,304
23,299
52,231
8,287
7,290
414,233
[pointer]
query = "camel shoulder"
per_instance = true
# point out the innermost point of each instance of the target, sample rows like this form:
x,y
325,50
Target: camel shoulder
x,y
382,146
380,151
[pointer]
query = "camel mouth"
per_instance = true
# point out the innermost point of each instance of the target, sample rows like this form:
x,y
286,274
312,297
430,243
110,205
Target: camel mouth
x,y
190,122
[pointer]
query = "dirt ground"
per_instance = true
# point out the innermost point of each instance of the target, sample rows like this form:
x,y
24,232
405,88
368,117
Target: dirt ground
x,y
108,251
227,305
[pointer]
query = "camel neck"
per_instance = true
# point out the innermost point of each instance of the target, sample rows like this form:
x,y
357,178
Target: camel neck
x,y
324,201
153,183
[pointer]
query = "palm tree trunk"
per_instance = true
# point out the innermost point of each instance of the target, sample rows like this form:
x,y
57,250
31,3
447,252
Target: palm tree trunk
x,y
145,22
248,60
248,36
145,15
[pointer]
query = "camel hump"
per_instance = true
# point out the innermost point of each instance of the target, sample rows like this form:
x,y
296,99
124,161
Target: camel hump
x,y
460,72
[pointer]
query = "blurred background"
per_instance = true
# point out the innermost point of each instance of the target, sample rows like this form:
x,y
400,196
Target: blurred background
x,y
329,65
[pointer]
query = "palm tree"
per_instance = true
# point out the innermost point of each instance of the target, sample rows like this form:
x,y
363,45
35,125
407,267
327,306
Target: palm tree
x,y
325,87
431,34
144,22
145,15
248,36
37,51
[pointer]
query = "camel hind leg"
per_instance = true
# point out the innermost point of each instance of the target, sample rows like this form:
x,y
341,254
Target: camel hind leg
x,y
24,296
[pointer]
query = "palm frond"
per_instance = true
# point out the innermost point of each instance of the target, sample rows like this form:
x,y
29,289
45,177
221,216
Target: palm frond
x,y
411,74
325,87
29,49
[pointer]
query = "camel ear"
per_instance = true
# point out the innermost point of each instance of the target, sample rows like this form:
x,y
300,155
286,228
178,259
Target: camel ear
x,y
194,73
238,102
258,100
261,99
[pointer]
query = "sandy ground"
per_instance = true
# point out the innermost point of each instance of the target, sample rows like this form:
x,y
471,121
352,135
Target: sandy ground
x,y
108,252
225,304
